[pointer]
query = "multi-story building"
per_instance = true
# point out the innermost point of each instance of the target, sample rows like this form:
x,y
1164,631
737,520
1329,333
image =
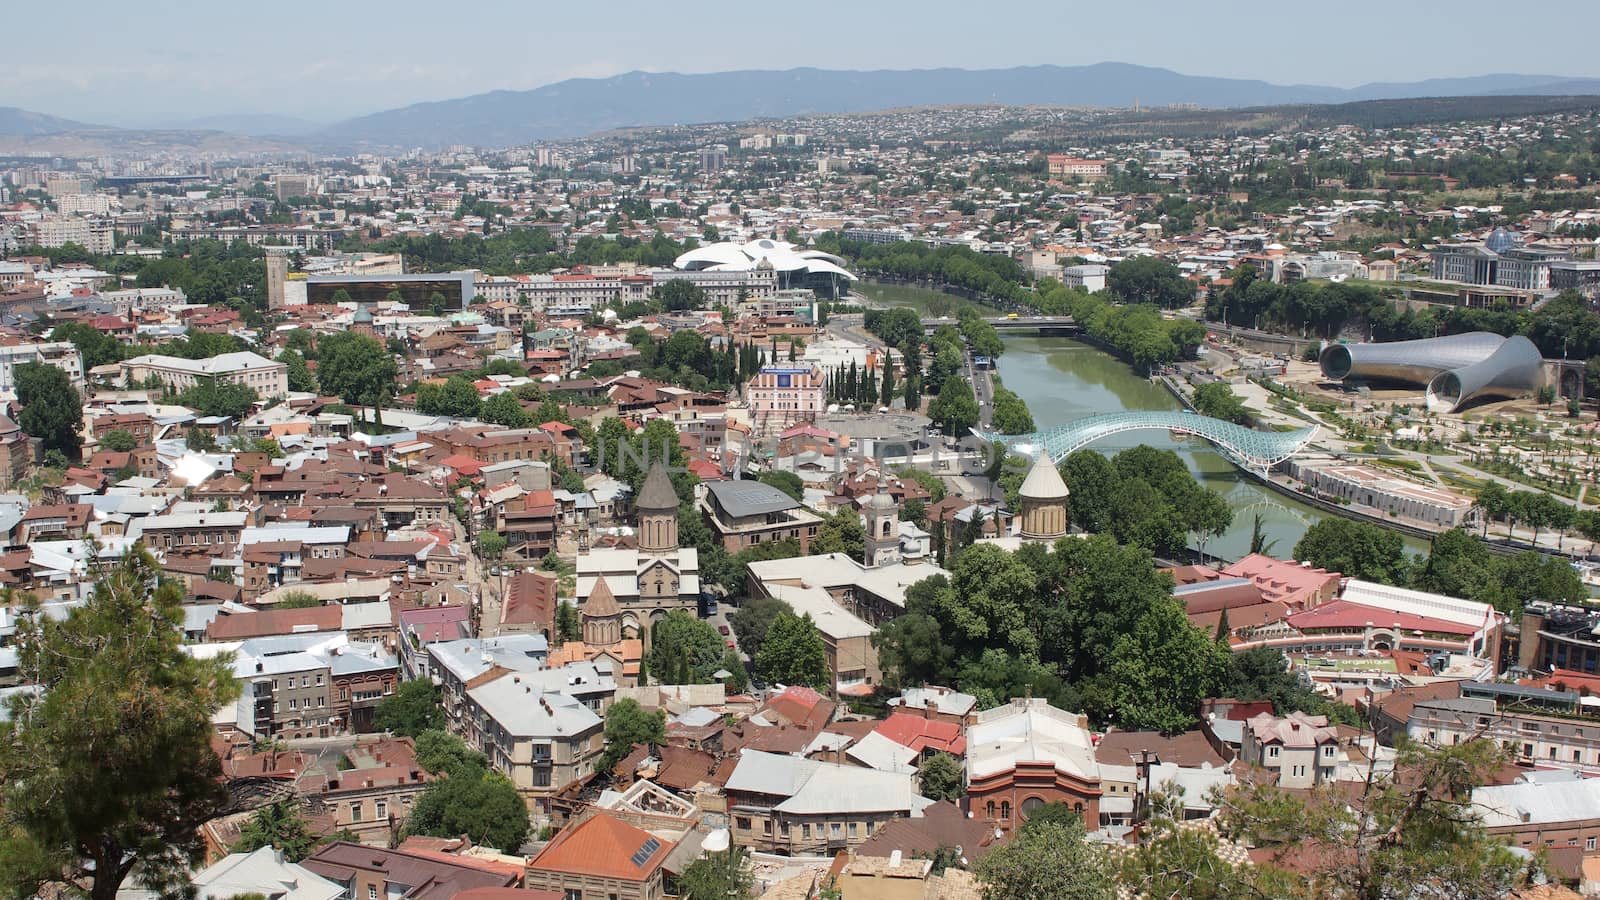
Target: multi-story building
x,y
1581,275
94,235
310,685
746,513
601,857
1302,749
371,873
1064,166
456,663
266,377
1500,261
1538,812
1535,725
173,531
534,731
1088,277
1551,636
1028,753
781,397
1385,492
724,288
792,805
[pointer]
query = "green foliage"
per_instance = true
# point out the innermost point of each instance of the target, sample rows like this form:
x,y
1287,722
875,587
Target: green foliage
x,y
788,482
475,802
1152,280
297,600
1217,400
723,875
1414,827
1011,415
503,409
52,411
750,623
1460,565
1144,497
684,649
627,725
457,397
413,708
278,825
1163,668
1051,860
300,377
442,752
680,294
940,777
568,627
793,653
489,545
109,770
357,368
118,441
1355,549
211,397
841,532
1263,673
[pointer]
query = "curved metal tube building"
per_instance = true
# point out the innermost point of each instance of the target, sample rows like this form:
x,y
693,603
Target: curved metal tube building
x,y
1517,368
1411,361
1455,368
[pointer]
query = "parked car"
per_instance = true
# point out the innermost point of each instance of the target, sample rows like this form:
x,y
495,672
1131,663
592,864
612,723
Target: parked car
x,y
724,630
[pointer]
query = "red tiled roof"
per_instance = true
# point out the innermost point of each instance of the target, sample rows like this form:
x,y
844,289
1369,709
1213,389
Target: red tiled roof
x,y
918,733
604,847
1343,614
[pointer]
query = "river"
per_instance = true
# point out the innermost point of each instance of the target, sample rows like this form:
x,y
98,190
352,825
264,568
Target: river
x,y
1062,379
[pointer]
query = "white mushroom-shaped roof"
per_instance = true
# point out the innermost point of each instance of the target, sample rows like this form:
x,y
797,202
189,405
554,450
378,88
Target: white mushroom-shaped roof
x,y
783,256
1043,481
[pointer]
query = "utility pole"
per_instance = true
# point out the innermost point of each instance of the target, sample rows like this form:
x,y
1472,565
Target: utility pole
x,y
1141,811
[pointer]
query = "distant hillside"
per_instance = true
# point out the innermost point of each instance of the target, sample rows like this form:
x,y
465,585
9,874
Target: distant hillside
x,y
22,123
256,125
585,106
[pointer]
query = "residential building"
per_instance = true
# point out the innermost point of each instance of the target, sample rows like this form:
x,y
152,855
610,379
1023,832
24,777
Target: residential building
x,y
455,664
1302,749
263,871
601,857
542,730
781,397
875,595
1535,725
310,685
1063,166
1088,277
176,531
61,354
746,513
375,873
1540,812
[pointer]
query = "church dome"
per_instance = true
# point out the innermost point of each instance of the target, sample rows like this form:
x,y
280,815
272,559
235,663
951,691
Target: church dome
x,y
1043,481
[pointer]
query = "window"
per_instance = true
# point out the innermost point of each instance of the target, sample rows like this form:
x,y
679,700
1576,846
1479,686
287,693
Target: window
x,y
989,809
1589,843
805,831
1005,809
1272,752
383,809
355,812
1031,804
372,892
766,827
852,829
744,823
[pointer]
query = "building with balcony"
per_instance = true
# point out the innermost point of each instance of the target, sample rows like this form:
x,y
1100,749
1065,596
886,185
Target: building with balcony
x,y
542,730
266,377
792,805
746,513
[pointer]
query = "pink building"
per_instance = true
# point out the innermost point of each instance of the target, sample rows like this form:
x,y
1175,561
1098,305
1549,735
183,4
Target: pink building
x,y
1296,585
780,397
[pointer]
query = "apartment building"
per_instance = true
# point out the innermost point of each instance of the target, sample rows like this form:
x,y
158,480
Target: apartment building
x,y
455,664
781,397
601,857
533,728
1535,725
1063,166
264,376
61,354
184,530
746,513
310,685
1303,750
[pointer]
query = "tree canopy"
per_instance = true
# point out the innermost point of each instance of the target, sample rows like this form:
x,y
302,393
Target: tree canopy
x,y
793,653
628,725
52,409
413,708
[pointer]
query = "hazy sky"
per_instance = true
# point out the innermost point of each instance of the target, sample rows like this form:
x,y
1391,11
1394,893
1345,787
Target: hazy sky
x,y
153,61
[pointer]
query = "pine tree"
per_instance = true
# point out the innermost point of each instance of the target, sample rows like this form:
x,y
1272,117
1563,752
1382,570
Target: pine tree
x,y
887,391
1223,631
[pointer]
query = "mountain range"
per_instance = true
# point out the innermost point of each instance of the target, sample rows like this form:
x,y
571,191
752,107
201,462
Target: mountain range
x,y
583,106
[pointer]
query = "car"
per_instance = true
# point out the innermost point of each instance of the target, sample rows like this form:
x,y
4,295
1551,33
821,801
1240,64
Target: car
x,y
724,630
732,646
1011,315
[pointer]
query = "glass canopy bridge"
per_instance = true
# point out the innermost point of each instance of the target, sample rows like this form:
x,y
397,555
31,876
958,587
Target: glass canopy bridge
x,y
1256,451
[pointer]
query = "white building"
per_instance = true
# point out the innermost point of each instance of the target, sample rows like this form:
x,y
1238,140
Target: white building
x,y
266,377
61,354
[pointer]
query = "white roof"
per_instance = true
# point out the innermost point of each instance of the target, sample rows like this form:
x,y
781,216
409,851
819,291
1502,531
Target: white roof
x,y
1418,603
264,872
1545,803
216,365
1029,731
878,752
830,618
814,787
468,658
524,709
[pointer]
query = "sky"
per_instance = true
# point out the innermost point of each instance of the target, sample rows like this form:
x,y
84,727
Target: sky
x,y
157,62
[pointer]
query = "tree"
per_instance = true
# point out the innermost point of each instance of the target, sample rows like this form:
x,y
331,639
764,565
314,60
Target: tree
x,y
1050,860
278,825
1217,400
568,627
108,770
1263,673
300,377
956,407
681,294
1163,668
753,618
1148,279
940,777
841,533
1411,831
475,802
1355,549
412,709
219,398
788,482
738,679
1494,502
118,441
719,875
793,653
489,545
52,410
357,368
504,409
457,398
442,752
628,725
684,649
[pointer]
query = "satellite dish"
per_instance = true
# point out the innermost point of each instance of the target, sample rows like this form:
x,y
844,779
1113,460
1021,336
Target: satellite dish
x,y
716,842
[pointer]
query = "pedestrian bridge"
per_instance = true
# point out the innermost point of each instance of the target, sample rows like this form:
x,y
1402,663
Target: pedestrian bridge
x,y
1247,448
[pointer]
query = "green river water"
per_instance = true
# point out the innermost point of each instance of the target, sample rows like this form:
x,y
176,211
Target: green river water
x,y
1062,379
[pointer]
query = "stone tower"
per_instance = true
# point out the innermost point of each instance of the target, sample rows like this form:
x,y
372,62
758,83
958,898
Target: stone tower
x,y
657,506
602,617
277,275
883,528
1044,502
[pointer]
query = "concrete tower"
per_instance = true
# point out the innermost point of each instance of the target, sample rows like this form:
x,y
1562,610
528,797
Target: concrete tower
x,y
1044,502
658,512
882,527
